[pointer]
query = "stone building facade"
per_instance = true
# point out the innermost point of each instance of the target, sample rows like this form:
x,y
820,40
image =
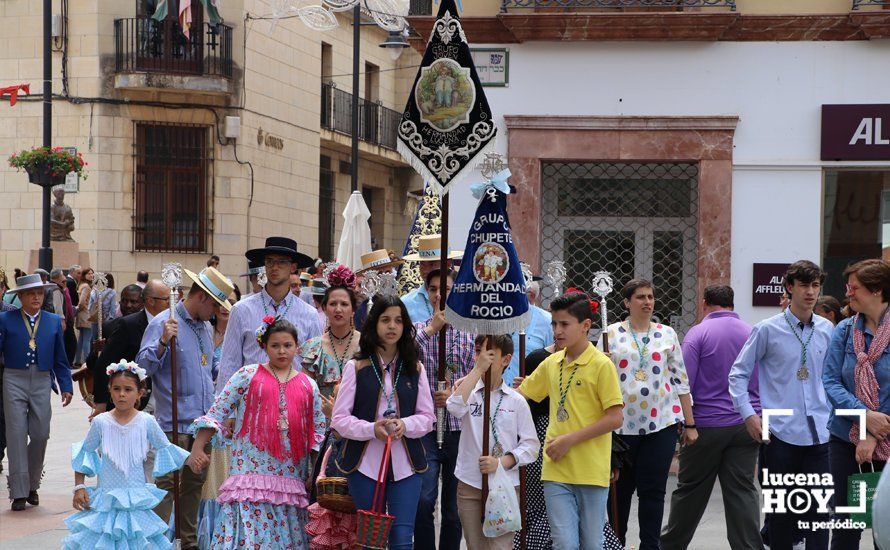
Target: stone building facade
x,y
149,109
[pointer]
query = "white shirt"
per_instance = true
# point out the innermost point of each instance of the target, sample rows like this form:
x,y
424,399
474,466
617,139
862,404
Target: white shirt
x,y
148,315
240,346
515,428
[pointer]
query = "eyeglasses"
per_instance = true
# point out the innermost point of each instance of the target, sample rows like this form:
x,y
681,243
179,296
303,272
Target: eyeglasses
x,y
271,262
851,289
164,299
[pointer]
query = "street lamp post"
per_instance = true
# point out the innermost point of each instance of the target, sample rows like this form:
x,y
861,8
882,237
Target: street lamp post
x,y
46,253
393,43
356,48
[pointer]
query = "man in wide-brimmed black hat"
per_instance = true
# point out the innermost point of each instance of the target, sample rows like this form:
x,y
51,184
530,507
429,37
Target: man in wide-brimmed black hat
x,y
280,259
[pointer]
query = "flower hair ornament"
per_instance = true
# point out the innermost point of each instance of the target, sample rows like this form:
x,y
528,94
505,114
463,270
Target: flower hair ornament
x,y
268,321
124,365
594,305
341,276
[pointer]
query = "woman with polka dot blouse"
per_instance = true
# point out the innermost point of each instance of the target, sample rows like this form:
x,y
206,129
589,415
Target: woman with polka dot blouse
x,y
653,382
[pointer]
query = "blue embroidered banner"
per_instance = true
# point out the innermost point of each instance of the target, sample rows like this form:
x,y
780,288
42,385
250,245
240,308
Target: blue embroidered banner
x,y
489,296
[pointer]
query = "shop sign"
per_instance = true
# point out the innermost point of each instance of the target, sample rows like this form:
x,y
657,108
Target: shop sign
x,y
769,283
492,66
856,132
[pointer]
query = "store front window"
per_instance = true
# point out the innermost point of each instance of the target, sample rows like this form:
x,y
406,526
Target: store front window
x,y
856,222
632,219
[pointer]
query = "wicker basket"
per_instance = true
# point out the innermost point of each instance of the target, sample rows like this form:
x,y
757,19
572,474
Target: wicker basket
x,y
374,524
332,493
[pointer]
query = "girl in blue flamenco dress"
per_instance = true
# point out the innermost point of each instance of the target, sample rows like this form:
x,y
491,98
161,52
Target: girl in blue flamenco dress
x,y
279,425
117,513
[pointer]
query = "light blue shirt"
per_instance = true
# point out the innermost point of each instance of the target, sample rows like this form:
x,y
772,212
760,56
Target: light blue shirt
x,y
239,344
109,303
539,334
418,303
194,381
839,377
776,352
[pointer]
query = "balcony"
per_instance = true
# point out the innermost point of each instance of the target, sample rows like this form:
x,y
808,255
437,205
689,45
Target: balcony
x,y
157,55
871,3
377,125
420,7
519,21
596,5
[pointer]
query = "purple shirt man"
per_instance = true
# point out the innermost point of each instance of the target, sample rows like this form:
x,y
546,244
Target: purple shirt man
x,y
709,350
724,448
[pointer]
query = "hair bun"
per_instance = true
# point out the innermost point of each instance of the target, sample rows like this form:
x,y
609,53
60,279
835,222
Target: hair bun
x,y
341,277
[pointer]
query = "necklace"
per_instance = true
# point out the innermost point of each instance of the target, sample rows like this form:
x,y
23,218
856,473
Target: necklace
x,y
451,364
498,450
282,404
32,332
340,360
390,411
283,314
200,340
803,373
640,375
561,413
340,338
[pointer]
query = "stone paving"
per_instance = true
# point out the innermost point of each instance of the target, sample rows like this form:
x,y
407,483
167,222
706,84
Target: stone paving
x,y
42,527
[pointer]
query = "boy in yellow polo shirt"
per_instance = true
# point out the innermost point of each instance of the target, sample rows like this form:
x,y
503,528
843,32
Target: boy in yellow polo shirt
x,y
585,406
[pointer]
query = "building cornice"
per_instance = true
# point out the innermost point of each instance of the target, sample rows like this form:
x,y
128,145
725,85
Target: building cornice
x,y
649,123
509,28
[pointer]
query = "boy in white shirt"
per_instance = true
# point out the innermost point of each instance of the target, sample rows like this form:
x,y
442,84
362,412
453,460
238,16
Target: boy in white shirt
x,y
512,437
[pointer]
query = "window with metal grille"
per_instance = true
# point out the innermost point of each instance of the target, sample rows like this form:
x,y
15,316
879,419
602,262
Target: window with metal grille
x,y
172,166
631,219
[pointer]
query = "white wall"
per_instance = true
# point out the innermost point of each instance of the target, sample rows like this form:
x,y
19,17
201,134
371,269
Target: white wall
x,y
776,88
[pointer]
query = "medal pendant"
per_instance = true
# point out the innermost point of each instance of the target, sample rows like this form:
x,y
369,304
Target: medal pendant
x,y
497,451
803,373
32,344
562,414
389,413
282,423
640,375
204,359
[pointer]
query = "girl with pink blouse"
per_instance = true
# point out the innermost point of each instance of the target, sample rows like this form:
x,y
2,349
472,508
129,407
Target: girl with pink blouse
x,y
384,392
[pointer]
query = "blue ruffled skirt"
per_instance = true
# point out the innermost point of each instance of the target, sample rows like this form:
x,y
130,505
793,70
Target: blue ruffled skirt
x,y
119,519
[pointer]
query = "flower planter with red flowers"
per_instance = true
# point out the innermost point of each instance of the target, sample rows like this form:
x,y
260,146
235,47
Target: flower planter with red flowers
x,y
48,167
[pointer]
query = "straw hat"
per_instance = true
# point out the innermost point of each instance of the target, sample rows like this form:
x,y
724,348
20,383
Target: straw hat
x,y
429,249
214,283
378,259
28,282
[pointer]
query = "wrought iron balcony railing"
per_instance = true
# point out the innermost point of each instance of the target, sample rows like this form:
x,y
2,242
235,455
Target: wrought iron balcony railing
x,y
420,7
507,5
145,45
377,124
860,3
